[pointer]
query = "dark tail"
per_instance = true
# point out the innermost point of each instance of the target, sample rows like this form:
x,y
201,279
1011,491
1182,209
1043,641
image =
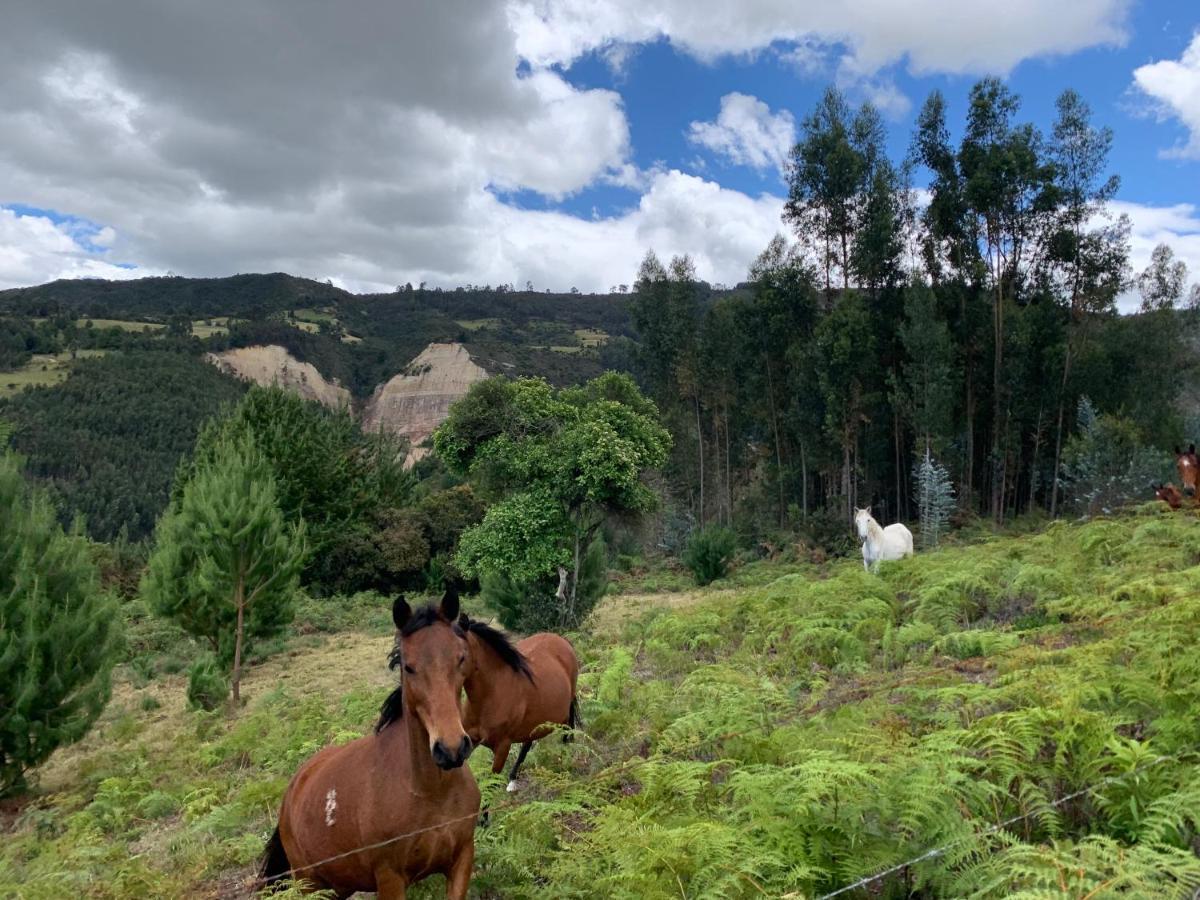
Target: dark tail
x,y
573,720
274,862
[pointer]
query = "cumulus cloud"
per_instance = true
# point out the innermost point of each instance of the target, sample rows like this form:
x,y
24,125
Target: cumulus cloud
x,y
366,148
957,36
35,248
1174,88
379,147
1177,226
747,133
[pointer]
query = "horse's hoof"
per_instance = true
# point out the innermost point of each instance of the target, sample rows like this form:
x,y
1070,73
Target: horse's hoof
x,y
512,787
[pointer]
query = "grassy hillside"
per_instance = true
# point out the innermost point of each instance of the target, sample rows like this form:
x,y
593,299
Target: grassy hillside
x,y
782,740
361,339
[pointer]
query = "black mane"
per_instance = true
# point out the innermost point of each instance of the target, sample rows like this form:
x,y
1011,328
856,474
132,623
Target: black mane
x,y
499,642
393,707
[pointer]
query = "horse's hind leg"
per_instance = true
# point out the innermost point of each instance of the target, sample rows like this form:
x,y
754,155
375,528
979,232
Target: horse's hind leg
x,y
512,776
573,721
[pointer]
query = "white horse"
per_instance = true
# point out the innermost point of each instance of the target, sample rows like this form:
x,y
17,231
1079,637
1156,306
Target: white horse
x,y
893,542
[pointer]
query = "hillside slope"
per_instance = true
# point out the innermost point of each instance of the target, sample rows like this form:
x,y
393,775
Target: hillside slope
x,y
416,401
779,741
274,365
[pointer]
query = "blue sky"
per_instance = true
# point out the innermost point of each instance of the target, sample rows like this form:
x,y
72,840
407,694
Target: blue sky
x,y
664,90
514,141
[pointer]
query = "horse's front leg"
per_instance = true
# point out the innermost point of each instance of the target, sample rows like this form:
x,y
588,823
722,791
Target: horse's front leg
x,y
458,879
390,885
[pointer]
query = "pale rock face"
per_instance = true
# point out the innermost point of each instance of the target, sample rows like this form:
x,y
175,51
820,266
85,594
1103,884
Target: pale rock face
x,y
415,402
273,365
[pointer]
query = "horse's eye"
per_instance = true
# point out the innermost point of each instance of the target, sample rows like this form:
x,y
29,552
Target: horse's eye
x,y
462,659
409,669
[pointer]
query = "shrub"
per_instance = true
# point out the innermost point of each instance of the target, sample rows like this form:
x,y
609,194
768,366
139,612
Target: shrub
x,y
207,684
59,633
1106,465
535,606
708,553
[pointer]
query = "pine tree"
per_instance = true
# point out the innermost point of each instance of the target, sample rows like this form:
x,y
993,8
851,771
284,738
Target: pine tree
x,y
58,632
935,498
225,565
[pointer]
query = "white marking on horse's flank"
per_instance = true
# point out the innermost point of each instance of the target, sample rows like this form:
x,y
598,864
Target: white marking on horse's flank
x,y
512,787
330,806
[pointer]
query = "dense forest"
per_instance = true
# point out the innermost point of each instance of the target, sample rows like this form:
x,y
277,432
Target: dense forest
x,y
968,326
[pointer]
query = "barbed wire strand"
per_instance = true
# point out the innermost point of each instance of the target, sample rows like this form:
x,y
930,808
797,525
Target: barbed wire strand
x,y
999,826
812,709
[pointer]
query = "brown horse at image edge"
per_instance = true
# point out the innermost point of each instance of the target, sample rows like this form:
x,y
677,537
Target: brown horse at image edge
x,y
517,694
362,801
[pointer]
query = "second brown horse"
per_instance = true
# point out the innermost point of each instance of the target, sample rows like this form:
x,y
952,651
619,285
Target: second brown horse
x,y
517,694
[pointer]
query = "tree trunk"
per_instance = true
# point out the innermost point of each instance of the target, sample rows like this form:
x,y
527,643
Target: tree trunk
x,y
997,400
1062,399
239,598
846,479
728,483
700,447
899,480
969,462
803,480
1033,460
778,444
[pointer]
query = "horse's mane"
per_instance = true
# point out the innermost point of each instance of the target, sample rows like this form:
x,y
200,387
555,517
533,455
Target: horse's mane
x,y
499,642
393,706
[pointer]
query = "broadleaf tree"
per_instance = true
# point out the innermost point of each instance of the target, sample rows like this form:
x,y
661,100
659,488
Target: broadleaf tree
x,y
556,465
59,632
226,564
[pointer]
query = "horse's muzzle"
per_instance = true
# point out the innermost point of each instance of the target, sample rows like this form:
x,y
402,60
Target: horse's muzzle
x,y
447,759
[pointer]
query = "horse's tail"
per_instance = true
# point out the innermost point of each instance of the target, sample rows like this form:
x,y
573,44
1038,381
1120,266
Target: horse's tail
x,y
274,862
573,720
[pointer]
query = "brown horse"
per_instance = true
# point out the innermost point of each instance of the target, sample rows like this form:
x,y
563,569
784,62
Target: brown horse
x,y
408,776
1188,465
516,694
1169,494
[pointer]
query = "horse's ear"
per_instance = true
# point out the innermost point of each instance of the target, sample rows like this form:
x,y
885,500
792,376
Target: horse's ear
x,y
464,621
450,603
867,510
401,612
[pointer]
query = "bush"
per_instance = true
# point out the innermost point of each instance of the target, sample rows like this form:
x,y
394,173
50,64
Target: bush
x,y
208,685
1106,465
828,530
534,606
708,552
59,632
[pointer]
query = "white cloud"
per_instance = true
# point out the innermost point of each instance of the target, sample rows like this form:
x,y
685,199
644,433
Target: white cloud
x,y
747,133
957,36
370,149
1174,88
1177,226
34,248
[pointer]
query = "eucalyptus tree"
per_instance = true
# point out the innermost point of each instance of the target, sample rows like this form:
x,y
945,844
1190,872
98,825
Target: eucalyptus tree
x,y
1087,261
1009,190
